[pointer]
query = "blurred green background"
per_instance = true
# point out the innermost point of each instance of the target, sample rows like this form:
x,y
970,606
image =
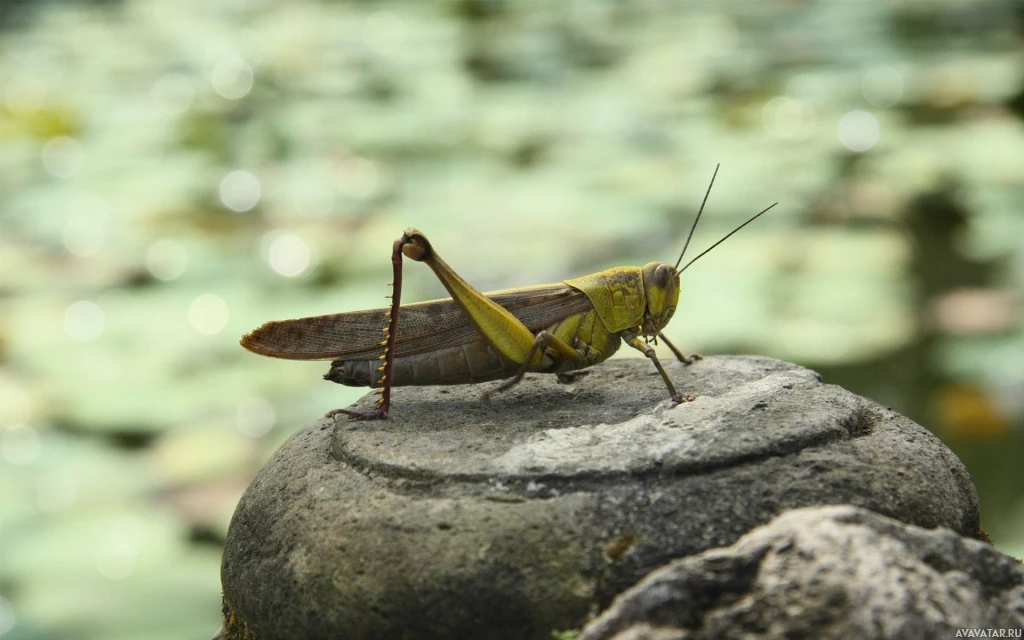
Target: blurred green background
x,y
175,172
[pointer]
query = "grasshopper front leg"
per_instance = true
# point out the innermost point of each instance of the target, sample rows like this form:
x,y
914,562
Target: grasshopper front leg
x,y
632,339
685,359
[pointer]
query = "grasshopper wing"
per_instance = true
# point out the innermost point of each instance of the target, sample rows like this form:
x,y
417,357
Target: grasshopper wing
x,y
422,327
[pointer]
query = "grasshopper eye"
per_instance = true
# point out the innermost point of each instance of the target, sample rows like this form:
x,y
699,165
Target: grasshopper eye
x,y
660,276
664,275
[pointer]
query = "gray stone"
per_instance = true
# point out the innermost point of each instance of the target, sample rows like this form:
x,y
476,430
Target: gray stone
x,y
825,572
457,517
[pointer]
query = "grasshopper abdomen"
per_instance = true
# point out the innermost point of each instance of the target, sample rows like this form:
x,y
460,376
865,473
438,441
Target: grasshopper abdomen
x,y
469,363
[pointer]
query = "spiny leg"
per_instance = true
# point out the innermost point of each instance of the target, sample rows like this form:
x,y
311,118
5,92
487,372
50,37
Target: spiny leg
x,y
687,360
541,342
384,402
634,341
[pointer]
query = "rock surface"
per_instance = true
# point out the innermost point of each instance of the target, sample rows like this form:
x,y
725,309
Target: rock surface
x,y
512,518
824,572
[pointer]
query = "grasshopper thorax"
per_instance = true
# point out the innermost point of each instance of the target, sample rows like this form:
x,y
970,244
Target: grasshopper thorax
x,y
661,288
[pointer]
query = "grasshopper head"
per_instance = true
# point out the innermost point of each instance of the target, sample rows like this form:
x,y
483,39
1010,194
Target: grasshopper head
x,y
661,285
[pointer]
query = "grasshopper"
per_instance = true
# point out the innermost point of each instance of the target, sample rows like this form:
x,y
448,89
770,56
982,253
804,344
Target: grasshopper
x,y
478,337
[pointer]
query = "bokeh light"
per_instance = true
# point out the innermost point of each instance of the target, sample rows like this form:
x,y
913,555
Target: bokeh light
x,y
358,178
232,77
166,259
173,93
718,36
56,492
20,444
788,118
84,320
882,87
85,230
208,314
311,195
24,95
118,551
255,417
858,130
15,406
288,254
62,156
240,190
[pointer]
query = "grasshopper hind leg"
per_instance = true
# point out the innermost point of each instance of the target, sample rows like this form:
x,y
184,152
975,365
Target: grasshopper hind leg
x,y
391,330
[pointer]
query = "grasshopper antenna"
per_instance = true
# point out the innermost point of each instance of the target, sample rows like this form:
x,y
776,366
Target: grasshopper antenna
x,y
766,210
699,211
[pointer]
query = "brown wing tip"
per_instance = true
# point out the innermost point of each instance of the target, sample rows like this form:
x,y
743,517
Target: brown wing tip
x,y
289,339
254,341
276,339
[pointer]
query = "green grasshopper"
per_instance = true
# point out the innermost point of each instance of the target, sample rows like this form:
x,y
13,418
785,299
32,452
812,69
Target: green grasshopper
x,y
477,337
